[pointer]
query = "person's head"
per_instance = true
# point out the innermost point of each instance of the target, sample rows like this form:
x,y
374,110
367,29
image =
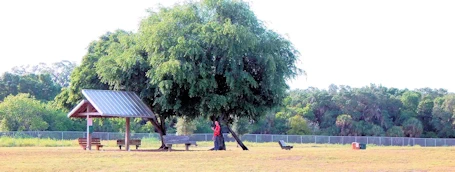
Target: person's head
x,y
217,123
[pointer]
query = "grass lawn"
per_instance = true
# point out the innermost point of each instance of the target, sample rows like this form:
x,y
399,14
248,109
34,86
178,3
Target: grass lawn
x,y
260,157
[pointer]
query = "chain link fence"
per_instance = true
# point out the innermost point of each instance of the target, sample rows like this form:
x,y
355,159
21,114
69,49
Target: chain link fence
x,y
256,138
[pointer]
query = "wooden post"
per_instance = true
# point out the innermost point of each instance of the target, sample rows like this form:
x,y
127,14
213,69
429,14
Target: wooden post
x,y
89,135
127,134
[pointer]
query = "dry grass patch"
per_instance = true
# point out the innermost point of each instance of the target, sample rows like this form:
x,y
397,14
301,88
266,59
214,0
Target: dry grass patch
x,y
261,157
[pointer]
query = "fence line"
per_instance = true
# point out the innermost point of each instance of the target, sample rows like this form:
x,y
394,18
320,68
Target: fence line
x,y
258,138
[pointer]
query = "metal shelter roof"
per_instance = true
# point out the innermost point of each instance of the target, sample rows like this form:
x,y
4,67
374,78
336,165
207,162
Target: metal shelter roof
x,y
108,103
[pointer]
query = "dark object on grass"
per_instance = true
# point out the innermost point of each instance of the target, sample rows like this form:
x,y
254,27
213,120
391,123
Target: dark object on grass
x,y
284,145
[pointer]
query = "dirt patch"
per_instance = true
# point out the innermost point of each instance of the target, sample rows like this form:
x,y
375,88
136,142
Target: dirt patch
x,y
289,158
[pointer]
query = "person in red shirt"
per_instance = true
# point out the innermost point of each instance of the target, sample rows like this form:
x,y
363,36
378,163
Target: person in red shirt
x,y
216,135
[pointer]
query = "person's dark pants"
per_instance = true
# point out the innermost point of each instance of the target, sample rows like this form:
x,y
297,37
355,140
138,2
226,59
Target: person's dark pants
x,y
217,143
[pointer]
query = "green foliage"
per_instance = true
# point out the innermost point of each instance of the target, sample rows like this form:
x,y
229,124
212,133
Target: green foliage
x,y
374,110
395,131
40,86
410,100
202,125
298,126
443,116
241,126
35,142
215,58
22,113
60,71
344,122
185,126
412,127
375,130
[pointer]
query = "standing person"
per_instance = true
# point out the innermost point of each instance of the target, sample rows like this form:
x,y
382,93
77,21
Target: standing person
x,y
212,126
216,135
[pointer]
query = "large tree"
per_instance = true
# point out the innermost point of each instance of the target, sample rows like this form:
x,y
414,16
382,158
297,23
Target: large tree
x,y
216,58
212,58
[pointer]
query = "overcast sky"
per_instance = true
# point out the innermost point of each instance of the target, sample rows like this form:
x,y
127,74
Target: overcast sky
x,y
396,43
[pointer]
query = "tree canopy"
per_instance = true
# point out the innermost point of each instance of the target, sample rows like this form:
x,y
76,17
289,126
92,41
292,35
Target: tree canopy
x,y
207,58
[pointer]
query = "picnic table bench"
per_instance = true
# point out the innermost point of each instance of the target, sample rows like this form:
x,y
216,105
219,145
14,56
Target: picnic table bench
x,y
121,142
284,145
170,140
95,141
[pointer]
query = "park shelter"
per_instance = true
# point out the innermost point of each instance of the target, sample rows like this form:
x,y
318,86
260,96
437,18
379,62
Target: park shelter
x,y
110,104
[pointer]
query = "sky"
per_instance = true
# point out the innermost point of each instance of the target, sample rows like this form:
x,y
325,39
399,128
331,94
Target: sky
x,y
394,43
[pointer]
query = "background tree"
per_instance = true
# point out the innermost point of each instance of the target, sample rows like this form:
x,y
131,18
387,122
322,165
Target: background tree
x,y
443,116
40,86
344,122
241,126
185,126
60,71
412,127
298,126
24,113
395,131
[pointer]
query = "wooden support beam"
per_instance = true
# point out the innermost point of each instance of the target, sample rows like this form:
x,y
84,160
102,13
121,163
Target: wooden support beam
x,y
127,134
89,135
90,114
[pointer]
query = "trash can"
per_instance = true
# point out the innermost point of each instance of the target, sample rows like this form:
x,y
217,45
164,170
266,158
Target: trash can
x,y
355,145
363,146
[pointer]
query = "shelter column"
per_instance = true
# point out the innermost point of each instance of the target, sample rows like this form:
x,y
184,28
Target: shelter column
x,y
89,130
127,134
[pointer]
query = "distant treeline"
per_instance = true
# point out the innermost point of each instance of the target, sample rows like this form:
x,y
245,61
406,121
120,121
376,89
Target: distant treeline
x,y
27,104
372,111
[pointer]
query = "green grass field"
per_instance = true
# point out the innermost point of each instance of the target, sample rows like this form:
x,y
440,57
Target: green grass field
x,y
260,157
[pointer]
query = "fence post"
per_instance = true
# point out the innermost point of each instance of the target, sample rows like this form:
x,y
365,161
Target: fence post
x,y
342,140
402,144
367,140
425,142
256,138
301,140
434,142
272,138
380,141
205,137
62,140
287,138
329,140
391,143
315,138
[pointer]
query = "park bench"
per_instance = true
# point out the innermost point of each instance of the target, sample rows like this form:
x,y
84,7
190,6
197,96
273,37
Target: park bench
x,y
284,145
136,142
170,140
95,142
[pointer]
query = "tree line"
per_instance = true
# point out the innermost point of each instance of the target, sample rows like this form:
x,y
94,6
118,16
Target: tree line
x,y
27,104
371,111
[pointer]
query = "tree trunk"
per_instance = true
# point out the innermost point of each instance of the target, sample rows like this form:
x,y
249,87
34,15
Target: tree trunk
x,y
160,129
222,145
239,142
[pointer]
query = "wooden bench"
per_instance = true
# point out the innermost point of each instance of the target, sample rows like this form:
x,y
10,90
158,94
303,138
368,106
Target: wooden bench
x,y
284,145
171,140
136,142
95,142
